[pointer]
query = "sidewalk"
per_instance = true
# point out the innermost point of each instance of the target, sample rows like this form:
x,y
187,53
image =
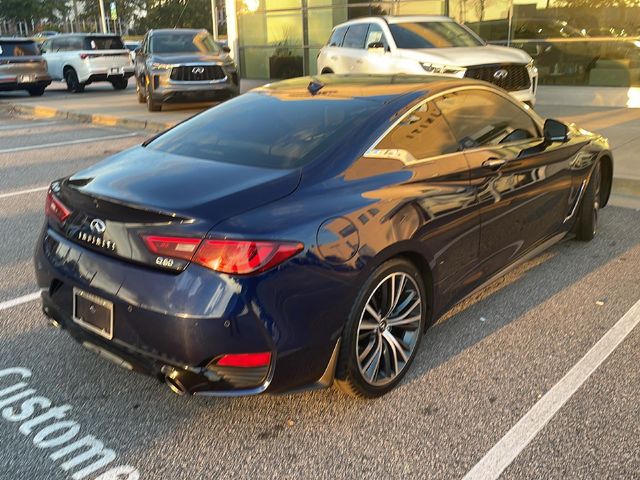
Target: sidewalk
x,y
100,104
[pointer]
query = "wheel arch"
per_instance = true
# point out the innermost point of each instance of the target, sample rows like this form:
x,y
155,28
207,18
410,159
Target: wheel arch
x,y
413,253
326,70
606,178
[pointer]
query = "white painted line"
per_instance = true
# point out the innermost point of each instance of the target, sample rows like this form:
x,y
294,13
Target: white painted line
x,y
69,142
17,126
509,447
23,192
19,301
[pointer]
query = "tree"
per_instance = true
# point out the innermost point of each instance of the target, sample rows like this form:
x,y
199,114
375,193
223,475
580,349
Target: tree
x,y
176,13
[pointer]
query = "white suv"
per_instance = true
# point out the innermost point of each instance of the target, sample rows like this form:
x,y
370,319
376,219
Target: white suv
x,y
81,59
426,45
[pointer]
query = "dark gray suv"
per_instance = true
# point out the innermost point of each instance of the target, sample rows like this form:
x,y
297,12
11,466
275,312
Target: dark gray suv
x,y
22,67
181,65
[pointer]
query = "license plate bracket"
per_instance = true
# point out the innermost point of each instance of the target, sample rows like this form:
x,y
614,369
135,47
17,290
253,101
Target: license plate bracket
x,y
93,313
25,79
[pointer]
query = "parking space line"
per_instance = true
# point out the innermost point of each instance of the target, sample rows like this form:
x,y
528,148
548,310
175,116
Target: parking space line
x,y
22,192
18,126
19,301
69,142
509,447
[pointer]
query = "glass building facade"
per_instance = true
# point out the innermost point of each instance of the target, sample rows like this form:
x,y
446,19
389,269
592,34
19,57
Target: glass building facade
x,y
574,42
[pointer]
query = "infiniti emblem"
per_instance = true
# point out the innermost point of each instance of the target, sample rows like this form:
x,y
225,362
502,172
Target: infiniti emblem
x,y
500,74
197,70
97,226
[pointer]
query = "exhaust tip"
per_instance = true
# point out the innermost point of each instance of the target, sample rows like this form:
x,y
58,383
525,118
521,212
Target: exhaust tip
x,y
172,380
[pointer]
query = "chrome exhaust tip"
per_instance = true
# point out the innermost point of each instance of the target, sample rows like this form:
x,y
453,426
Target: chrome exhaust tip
x,y
172,380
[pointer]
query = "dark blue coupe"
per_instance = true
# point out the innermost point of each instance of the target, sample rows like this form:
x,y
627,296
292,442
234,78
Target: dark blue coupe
x,y
308,232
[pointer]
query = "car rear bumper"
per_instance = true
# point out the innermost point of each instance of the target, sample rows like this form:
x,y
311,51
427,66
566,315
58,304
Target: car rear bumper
x,y
19,82
88,75
169,325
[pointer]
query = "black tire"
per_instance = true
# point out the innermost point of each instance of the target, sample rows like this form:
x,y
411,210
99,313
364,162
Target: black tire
x,y
119,83
140,93
357,365
36,91
152,105
73,84
587,222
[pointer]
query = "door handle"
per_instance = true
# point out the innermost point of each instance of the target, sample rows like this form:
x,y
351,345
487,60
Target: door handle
x,y
494,163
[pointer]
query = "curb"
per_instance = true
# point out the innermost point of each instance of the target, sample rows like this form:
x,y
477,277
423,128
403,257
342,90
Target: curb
x,y
626,186
39,111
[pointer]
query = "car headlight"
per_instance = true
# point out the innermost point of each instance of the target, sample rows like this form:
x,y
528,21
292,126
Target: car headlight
x,y
531,66
161,66
442,69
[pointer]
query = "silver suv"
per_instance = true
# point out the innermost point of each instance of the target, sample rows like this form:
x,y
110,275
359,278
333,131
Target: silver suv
x,y
22,67
183,65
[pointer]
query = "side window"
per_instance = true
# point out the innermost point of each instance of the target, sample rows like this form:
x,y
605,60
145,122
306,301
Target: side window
x,y
375,35
59,45
46,46
337,36
482,118
75,43
423,133
354,38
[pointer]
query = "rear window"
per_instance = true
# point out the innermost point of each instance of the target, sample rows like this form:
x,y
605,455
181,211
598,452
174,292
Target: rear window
x,y
262,130
103,43
18,49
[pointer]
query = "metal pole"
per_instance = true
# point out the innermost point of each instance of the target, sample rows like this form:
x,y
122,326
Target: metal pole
x,y
510,22
214,19
102,17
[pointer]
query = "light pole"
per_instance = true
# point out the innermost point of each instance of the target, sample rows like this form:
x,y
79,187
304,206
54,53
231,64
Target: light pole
x,y
214,20
103,23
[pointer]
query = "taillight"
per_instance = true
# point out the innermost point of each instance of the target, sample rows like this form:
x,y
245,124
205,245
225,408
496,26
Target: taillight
x,y
237,257
54,208
84,56
245,360
241,257
174,247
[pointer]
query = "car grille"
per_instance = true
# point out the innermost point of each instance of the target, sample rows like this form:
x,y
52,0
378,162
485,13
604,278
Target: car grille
x,y
516,78
197,73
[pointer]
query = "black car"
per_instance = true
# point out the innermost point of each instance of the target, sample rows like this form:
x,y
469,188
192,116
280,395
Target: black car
x,y
180,65
310,230
22,67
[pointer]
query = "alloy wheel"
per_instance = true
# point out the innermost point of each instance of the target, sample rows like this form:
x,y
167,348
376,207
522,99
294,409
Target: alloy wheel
x,y
389,329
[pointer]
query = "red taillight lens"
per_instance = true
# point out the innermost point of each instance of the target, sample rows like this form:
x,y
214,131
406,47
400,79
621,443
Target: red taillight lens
x,y
54,208
238,257
241,257
245,360
174,247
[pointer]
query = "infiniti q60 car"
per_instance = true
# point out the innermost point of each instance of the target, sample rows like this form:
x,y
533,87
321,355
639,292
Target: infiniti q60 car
x,y
308,232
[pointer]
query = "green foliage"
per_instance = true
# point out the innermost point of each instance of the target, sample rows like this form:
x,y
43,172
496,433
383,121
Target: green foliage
x,y
176,13
37,9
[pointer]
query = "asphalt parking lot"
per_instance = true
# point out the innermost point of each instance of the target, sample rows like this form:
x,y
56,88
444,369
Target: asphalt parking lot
x,y
499,357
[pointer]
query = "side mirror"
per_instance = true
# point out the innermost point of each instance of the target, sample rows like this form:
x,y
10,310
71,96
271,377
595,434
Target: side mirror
x,y
226,49
555,131
376,47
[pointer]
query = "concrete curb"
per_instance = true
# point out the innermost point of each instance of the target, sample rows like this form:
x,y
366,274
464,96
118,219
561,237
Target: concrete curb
x,y
626,186
39,111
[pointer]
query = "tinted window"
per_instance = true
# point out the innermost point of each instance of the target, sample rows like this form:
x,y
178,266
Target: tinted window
x,y
337,36
18,49
183,42
355,36
423,133
375,35
75,43
480,118
103,43
432,35
260,129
